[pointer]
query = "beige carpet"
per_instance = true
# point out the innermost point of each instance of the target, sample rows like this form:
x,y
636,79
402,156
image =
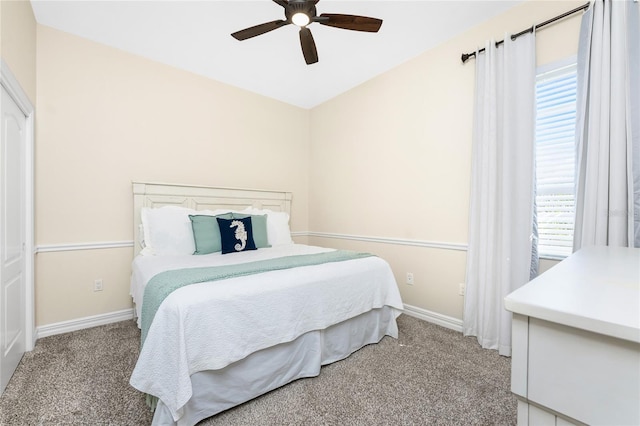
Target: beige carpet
x,y
430,375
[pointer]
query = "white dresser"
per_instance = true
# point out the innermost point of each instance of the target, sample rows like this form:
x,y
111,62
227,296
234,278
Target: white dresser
x,y
576,341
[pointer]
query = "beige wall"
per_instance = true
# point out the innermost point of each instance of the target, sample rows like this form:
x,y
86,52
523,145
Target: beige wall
x,y
105,118
392,157
18,43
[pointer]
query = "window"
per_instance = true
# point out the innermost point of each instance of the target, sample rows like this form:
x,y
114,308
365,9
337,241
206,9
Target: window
x,y
555,158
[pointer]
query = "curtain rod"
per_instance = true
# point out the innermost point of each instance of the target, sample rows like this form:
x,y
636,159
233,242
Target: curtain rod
x,y
466,56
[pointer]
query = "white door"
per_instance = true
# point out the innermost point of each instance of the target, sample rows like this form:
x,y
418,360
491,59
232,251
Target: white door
x,y
12,237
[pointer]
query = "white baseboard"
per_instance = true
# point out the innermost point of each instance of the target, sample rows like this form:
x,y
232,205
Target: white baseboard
x,y
81,323
128,314
434,317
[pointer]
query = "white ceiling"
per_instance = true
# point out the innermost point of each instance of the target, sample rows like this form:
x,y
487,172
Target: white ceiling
x,y
195,36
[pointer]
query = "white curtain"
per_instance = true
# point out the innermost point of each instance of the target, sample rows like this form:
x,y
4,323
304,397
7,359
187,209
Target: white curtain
x,y
499,258
608,126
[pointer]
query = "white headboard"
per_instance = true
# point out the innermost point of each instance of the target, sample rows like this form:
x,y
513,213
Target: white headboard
x,y
197,197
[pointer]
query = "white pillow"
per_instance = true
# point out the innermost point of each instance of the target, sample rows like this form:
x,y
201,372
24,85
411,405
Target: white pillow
x,y
167,231
278,231
141,233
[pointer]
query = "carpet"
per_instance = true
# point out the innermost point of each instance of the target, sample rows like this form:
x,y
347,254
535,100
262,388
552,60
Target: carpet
x,y
429,376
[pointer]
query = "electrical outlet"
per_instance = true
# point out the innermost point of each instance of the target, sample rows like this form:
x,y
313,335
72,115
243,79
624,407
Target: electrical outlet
x,y
97,285
410,278
461,288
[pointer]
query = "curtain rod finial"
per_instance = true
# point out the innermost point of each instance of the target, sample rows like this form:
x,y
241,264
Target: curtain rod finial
x,y
464,57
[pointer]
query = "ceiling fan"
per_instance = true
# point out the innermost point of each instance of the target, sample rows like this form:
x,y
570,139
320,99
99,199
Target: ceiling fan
x,y
303,13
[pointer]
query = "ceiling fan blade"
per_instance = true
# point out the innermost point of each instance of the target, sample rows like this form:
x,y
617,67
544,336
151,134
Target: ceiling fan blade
x,y
350,22
258,29
283,3
308,46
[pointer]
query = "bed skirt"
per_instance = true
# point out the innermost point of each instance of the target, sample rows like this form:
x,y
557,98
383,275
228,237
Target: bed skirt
x,y
217,390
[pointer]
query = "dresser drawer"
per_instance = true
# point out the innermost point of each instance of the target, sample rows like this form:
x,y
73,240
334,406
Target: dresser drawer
x,y
586,376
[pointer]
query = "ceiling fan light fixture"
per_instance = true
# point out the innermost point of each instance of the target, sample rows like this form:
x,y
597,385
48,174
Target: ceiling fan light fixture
x,y
302,13
300,19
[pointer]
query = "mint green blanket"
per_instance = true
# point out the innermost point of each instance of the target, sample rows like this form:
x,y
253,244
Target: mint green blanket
x,y
162,284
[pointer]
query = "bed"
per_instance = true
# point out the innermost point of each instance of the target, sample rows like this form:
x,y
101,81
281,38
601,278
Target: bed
x,y
251,321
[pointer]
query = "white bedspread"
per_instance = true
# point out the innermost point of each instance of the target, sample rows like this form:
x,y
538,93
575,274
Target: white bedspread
x,y
208,326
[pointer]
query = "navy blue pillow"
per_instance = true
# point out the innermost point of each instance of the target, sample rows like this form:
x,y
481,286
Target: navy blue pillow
x,y
236,235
